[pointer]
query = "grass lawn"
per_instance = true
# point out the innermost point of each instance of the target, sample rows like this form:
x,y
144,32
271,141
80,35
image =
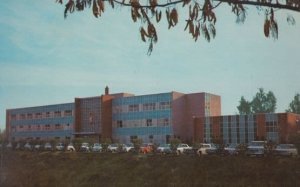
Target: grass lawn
x,y
106,169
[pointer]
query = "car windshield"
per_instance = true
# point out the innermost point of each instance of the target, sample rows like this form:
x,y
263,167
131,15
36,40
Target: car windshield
x,y
258,143
96,144
165,145
286,146
85,144
129,145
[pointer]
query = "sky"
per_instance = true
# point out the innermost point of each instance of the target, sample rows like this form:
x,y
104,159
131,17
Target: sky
x,y
46,59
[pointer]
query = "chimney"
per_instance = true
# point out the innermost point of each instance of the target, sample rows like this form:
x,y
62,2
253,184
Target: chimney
x,y
106,90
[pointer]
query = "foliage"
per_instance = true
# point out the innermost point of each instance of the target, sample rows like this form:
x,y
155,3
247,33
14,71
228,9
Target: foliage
x,y
261,103
2,135
137,144
244,107
295,139
200,19
174,143
105,143
294,106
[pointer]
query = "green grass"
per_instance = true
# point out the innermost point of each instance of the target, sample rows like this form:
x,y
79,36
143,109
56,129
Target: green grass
x,y
87,169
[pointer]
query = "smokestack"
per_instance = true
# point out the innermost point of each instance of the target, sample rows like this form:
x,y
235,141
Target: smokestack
x,y
106,90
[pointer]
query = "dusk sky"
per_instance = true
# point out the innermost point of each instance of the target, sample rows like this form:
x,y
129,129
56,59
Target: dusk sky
x,y
45,59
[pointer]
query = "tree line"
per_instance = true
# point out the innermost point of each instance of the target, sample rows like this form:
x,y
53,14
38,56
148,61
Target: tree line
x,y
265,102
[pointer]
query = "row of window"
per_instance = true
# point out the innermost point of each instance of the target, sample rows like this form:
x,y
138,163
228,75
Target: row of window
x,y
41,115
142,107
141,123
232,133
21,128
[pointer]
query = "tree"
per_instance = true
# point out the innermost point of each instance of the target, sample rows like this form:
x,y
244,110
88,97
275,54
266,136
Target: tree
x,y
201,18
244,107
263,102
294,106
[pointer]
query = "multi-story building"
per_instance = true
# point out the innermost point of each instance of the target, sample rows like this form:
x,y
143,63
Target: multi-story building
x,y
41,122
236,129
120,117
158,117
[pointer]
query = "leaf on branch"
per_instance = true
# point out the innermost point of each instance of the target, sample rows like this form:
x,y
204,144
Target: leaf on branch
x,y
290,19
69,7
143,34
158,16
205,32
267,28
185,2
101,6
96,11
111,2
191,28
150,49
59,1
212,30
274,29
174,17
197,32
135,3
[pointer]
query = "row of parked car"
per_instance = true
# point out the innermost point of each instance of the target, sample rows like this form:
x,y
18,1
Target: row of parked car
x,y
255,148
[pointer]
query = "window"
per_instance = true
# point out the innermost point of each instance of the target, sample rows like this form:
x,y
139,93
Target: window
x,y
47,127
57,114
148,106
68,113
166,121
29,116
47,114
119,124
57,126
133,108
23,116
13,116
38,127
164,105
149,122
29,127
38,115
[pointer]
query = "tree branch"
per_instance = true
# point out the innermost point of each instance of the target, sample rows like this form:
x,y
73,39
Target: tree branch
x,y
244,2
263,4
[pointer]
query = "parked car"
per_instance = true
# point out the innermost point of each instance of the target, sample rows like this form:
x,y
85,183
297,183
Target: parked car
x,y
97,147
60,147
28,147
164,149
286,150
70,147
48,147
113,148
230,149
128,147
182,147
204,147
37,147
84,147
147,148
9,146
256,148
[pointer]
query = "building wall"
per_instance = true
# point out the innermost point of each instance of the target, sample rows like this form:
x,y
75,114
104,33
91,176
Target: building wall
x,y
43,122
147,117
236,129
187,107
88,116
106,113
